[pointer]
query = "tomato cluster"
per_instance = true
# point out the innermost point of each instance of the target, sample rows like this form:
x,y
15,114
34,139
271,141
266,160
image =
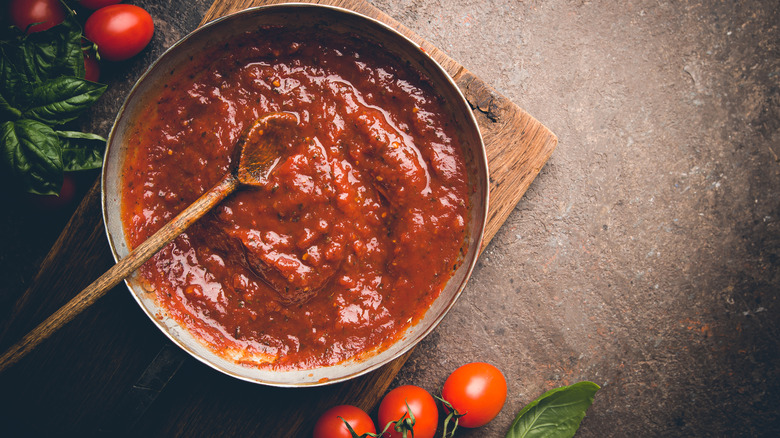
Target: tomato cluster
x,y
473,395
120,31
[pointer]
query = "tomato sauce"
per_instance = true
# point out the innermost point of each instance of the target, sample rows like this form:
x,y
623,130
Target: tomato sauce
x,y
361,223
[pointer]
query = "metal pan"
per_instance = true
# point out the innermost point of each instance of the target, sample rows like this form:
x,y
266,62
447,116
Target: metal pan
x,y
294,16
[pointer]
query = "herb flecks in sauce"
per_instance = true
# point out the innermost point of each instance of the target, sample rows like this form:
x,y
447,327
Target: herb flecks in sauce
x,y
361,223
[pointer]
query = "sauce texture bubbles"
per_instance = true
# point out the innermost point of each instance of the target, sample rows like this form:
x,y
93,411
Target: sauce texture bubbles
x,y
361,223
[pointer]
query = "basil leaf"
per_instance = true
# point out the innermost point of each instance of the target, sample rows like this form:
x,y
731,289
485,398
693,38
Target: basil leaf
x,y
57,51
42,85
51,53
31,153
29,60
61,100
7,112
12,83
556,414
81,151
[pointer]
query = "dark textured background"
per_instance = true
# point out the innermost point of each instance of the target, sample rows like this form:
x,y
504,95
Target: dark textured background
x,y
645,255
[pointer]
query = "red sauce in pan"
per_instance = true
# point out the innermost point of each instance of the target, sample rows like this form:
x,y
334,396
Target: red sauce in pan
x,y
360,225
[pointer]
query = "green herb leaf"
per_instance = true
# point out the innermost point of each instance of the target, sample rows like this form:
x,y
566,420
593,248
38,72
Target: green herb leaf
x,y
31,153
48,54
81,151
56,51
29,60
12,82
61,100
42,85
556,414
7,112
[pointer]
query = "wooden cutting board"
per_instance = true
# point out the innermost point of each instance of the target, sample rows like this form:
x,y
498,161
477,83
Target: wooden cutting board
x,y
199,401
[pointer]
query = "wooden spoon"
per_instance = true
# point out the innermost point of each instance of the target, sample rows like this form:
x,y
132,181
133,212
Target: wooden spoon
x,y
255,155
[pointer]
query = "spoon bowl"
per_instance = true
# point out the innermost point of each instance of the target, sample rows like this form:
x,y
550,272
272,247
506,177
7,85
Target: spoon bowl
x,y
258,148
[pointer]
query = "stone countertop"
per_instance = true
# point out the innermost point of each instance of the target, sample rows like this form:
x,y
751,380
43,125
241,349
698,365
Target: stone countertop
x,y
645,256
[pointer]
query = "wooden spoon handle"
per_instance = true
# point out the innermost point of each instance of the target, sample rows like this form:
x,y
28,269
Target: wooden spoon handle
x,y
119,271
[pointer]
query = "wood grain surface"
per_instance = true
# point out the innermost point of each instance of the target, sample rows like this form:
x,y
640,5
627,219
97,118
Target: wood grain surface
x,y
200,401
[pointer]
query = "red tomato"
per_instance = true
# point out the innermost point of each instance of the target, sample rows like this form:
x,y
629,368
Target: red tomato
x,y
422,405
477,390
55,202
91,68
120,31
97,4
46,13
330,425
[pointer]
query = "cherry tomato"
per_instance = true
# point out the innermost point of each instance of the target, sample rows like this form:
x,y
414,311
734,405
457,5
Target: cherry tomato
x,y
120,31
54,202
91,68
477,390
330,425
47,13
422,405
97,4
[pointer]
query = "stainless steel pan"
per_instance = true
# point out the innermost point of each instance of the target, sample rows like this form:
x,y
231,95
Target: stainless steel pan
x,y
292,16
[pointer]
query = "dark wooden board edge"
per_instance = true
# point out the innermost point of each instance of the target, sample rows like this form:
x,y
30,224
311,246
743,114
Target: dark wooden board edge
x,y
517,147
